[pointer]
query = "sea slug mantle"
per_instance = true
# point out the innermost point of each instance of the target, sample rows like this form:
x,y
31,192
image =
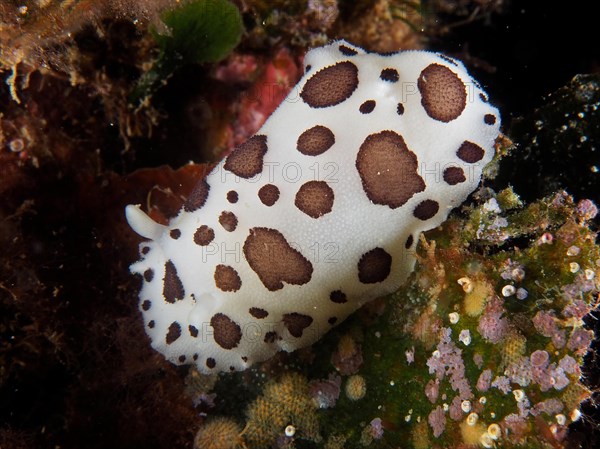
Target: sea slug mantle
x,y
317,213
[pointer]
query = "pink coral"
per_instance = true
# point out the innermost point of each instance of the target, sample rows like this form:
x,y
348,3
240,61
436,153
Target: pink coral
x,y
559,378
545,323
571,293
569,365
519,372
410,355
537,369
376,429
559,339
543,377
585,285
516,425
524,407
539,358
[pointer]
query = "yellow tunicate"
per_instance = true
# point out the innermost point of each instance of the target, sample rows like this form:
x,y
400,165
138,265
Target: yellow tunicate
x,y
471,433
476,296
420,436
356,387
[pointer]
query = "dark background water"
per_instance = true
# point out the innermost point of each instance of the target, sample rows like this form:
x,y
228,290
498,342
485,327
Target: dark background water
x,y
522,52
533,47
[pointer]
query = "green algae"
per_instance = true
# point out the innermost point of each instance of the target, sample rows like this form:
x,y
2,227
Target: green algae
x,y
198,32
201,31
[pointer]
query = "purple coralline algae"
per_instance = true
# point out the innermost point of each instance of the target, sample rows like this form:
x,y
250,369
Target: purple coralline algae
x,y
503,337
502,383
410,355
484,381
326,391
580,340
455,411
492,325
545,323
550,406
376,429
446,361
437,421
432,390
576,309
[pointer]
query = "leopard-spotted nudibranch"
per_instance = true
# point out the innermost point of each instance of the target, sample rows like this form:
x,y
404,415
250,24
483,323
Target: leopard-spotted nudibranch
x,y
317,213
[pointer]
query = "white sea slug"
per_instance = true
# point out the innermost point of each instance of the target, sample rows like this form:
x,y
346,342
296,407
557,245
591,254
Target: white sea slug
x,y
317,213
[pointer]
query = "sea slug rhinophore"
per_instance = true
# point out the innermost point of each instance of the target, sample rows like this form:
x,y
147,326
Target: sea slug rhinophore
x,y
317,213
